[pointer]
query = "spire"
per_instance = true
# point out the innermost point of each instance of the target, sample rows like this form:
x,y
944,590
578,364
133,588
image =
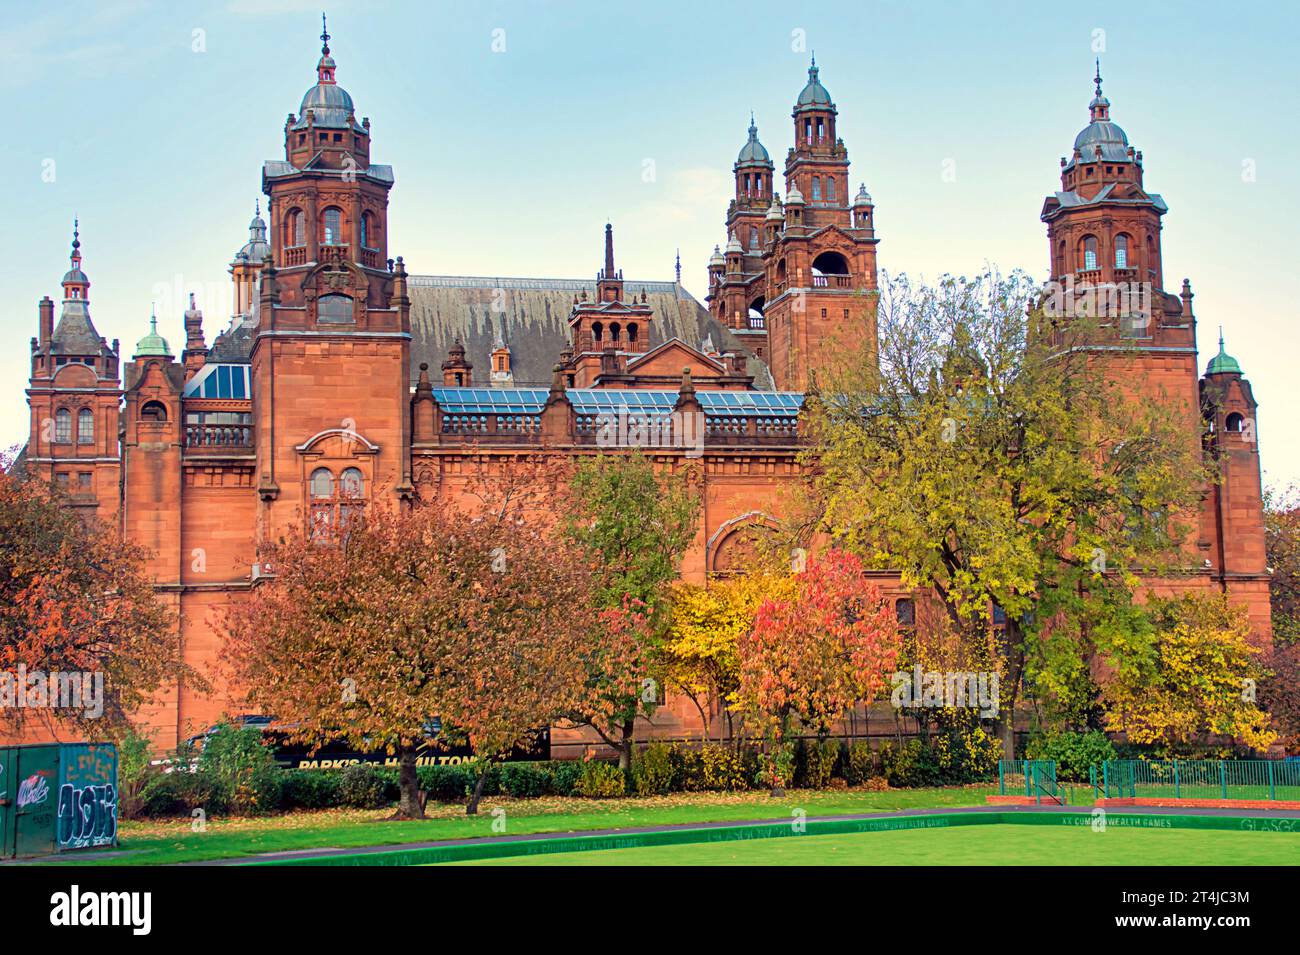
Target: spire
x,y
325,68
153,344
1099,108
678,267
75,283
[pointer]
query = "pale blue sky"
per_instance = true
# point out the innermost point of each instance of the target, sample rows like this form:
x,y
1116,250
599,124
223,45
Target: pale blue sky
x,y
508,163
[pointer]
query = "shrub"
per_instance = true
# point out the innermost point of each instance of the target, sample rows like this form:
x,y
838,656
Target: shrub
x,y
722,769
912,764
858,762
817,762
652,770
565,775
1074,752
600,781
774,768
310,789
133,771
241,769
524,780
363,786
179,793
449,783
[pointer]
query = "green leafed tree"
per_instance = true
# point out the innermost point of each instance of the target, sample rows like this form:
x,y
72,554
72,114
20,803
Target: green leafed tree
x,y
633,522
988,457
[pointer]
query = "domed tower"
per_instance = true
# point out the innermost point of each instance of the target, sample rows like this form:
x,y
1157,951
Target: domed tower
x,y
1238,558
247,265
330,368
73,395
820,270
1103,230
737,298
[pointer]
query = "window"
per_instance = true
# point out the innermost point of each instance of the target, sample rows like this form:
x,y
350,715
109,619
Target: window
x,y
62,481
85,426
63,426
597,332
83,482
295,233
1234,422
153,411
816,188
830,188
369,231
1121,251
322,503
631,334
335,506
905,611
333,227
1089,253
334,310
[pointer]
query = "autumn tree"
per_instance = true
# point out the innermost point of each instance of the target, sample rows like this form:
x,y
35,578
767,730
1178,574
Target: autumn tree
x,y
812,655
1194,675
75,599
988,458
1282,542
698,655
633,524
473,614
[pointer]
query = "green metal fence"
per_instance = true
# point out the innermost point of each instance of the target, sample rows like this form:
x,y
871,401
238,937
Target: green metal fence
x,y
1270,779
1034,778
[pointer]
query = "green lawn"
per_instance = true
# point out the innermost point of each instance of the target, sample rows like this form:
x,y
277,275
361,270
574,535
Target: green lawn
x,y
1036,845
153,843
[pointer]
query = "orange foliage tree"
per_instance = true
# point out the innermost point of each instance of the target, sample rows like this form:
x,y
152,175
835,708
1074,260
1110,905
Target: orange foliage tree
x,y
811,656
75,605
474,615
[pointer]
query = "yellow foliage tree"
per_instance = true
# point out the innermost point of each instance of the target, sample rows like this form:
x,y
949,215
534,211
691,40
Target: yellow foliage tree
x,y
699,652
1199,678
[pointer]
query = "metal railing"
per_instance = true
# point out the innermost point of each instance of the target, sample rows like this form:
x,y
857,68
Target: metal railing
x,y
1255,779
1033,778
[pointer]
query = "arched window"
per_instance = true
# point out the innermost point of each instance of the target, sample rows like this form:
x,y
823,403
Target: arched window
x,y
369,231
85,426
631,334
352,483
63,426
295,232
597,332
1234,422
817,188
333,227
1121,251
613,333
153,411
322,484
830,188
334,310
1089,253
830,263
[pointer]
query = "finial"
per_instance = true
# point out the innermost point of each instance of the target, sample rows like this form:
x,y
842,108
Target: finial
x,y
1097,78
324,36
153,317
76,234
814,60
1220,338
257,208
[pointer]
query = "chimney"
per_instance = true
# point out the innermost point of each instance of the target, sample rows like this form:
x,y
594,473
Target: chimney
x,y
46,311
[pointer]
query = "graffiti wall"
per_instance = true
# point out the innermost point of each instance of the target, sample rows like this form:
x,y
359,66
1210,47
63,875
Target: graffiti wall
x,y
57,797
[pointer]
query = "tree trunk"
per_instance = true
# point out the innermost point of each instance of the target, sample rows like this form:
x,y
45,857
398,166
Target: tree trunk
x,y
625,745
409,805
1014,652
485,767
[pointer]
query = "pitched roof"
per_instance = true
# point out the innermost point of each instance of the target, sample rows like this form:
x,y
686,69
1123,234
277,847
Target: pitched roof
x,y
533,316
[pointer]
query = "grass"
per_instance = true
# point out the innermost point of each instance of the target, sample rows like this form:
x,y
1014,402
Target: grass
x,y
172,841
966,845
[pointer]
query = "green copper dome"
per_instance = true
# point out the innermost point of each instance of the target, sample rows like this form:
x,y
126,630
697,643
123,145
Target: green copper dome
x,y
1223,363
153,344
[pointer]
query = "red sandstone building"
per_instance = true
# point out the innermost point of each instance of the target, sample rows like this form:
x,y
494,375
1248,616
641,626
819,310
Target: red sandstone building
x,y
341,371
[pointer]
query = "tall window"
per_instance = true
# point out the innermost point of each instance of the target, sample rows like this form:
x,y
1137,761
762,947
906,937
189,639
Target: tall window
x,y
63,426
817,188
333,227
352,487
1121,251
1089,253
85,426
830,188
295,232
322,503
